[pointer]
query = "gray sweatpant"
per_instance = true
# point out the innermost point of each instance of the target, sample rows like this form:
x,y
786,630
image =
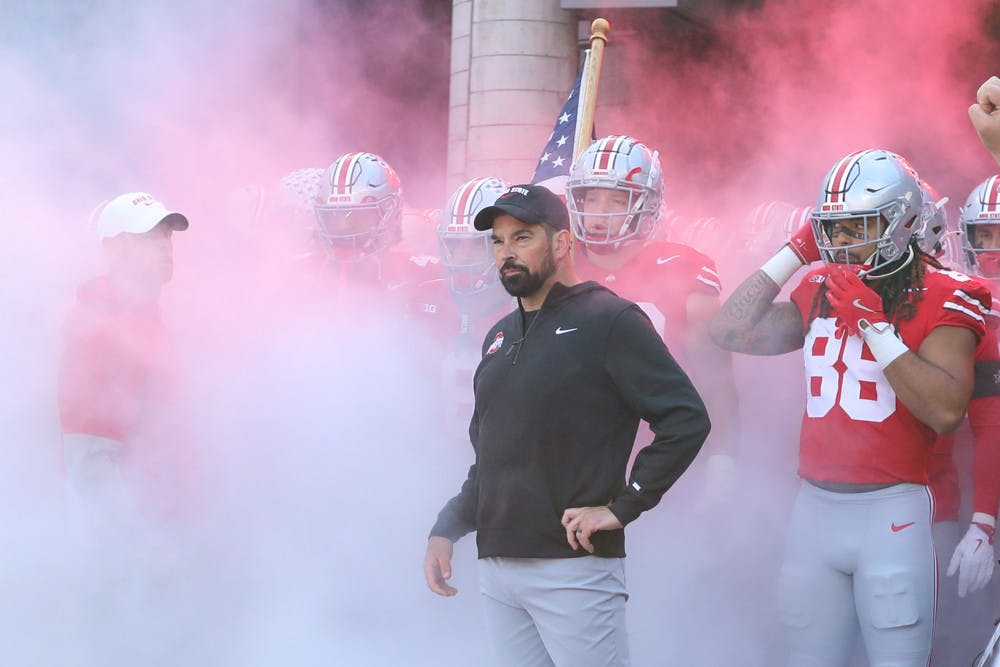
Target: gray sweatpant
x,y
860,560
556,612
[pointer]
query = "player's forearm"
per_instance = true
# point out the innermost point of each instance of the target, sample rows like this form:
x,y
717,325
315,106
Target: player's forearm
x,y
934,396
984,419
740,314
992,143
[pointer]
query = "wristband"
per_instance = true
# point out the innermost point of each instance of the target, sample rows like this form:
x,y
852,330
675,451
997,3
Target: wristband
x,y
885,347
782,266
985,521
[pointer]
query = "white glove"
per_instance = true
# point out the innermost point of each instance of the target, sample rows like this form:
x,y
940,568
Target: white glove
x,y
973,559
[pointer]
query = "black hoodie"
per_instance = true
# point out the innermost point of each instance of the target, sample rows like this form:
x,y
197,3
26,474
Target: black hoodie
x,y
557,408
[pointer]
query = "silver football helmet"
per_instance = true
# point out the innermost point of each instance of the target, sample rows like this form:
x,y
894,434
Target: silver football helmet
x,y
293,200
934,236
882,190
466,251
629,174
358,206
980,217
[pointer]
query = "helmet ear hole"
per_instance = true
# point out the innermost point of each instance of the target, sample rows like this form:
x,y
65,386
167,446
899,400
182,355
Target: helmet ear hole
x,y
933,235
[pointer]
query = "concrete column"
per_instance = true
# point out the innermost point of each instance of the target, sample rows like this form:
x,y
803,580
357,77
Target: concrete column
x,y
512,65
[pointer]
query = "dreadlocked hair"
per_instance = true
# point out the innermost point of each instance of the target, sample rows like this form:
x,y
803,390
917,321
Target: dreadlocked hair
x,y
900,292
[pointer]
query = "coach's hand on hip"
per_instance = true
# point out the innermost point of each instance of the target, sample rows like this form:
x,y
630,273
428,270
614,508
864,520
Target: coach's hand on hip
x,y
437,565
582,522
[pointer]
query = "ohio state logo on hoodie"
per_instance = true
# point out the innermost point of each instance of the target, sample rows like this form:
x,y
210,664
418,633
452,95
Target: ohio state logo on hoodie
x,y
496,344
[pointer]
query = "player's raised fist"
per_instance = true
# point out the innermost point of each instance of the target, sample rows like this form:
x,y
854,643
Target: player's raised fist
x,y
985,115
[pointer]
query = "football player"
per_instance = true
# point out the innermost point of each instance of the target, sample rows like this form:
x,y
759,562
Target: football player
x,y
888,346
459,307
614,195
359,215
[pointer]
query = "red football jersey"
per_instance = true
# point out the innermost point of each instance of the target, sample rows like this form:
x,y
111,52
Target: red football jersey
x,y
119,378
117,364
855,429
659,279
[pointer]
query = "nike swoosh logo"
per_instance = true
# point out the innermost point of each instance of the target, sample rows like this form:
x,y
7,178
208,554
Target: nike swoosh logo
x,y
858,304
901,526
560,331
664,260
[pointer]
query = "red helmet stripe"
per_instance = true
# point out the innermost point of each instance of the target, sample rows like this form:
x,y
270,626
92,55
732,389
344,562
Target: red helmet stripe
x,y
992,191
341,179
837,184
606,153
461,211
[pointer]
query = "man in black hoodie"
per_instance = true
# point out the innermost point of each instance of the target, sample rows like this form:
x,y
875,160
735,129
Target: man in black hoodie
x,y
560,390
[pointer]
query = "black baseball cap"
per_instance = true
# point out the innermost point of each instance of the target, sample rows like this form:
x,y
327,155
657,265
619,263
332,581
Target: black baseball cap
x,y
532,204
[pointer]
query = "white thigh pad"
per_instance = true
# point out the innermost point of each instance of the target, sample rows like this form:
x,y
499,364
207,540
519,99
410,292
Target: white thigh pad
x,y
892,600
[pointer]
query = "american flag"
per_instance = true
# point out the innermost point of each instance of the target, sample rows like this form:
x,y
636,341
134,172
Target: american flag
x,y
553,166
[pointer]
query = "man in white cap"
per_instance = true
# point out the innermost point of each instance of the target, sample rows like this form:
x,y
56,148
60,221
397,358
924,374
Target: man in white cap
x,y
116,376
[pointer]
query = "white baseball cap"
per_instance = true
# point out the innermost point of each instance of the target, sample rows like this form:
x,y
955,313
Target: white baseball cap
x,y
134,213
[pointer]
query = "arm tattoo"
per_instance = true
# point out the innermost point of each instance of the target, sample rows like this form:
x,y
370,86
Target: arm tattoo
x,y
750,300
750,322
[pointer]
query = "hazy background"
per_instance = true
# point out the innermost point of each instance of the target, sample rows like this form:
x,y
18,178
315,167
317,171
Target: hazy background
x,y
322,463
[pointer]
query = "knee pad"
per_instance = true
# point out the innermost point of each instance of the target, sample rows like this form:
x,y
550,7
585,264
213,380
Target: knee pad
x,y
891,600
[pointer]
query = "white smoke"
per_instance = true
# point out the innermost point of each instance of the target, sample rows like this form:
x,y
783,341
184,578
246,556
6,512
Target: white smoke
x,y
322,462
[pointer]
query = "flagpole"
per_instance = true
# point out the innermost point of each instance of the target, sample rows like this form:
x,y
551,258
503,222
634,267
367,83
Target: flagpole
x,y
598,39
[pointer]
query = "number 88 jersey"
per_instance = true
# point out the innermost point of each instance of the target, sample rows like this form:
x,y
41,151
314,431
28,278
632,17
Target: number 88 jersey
x,y
855,429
